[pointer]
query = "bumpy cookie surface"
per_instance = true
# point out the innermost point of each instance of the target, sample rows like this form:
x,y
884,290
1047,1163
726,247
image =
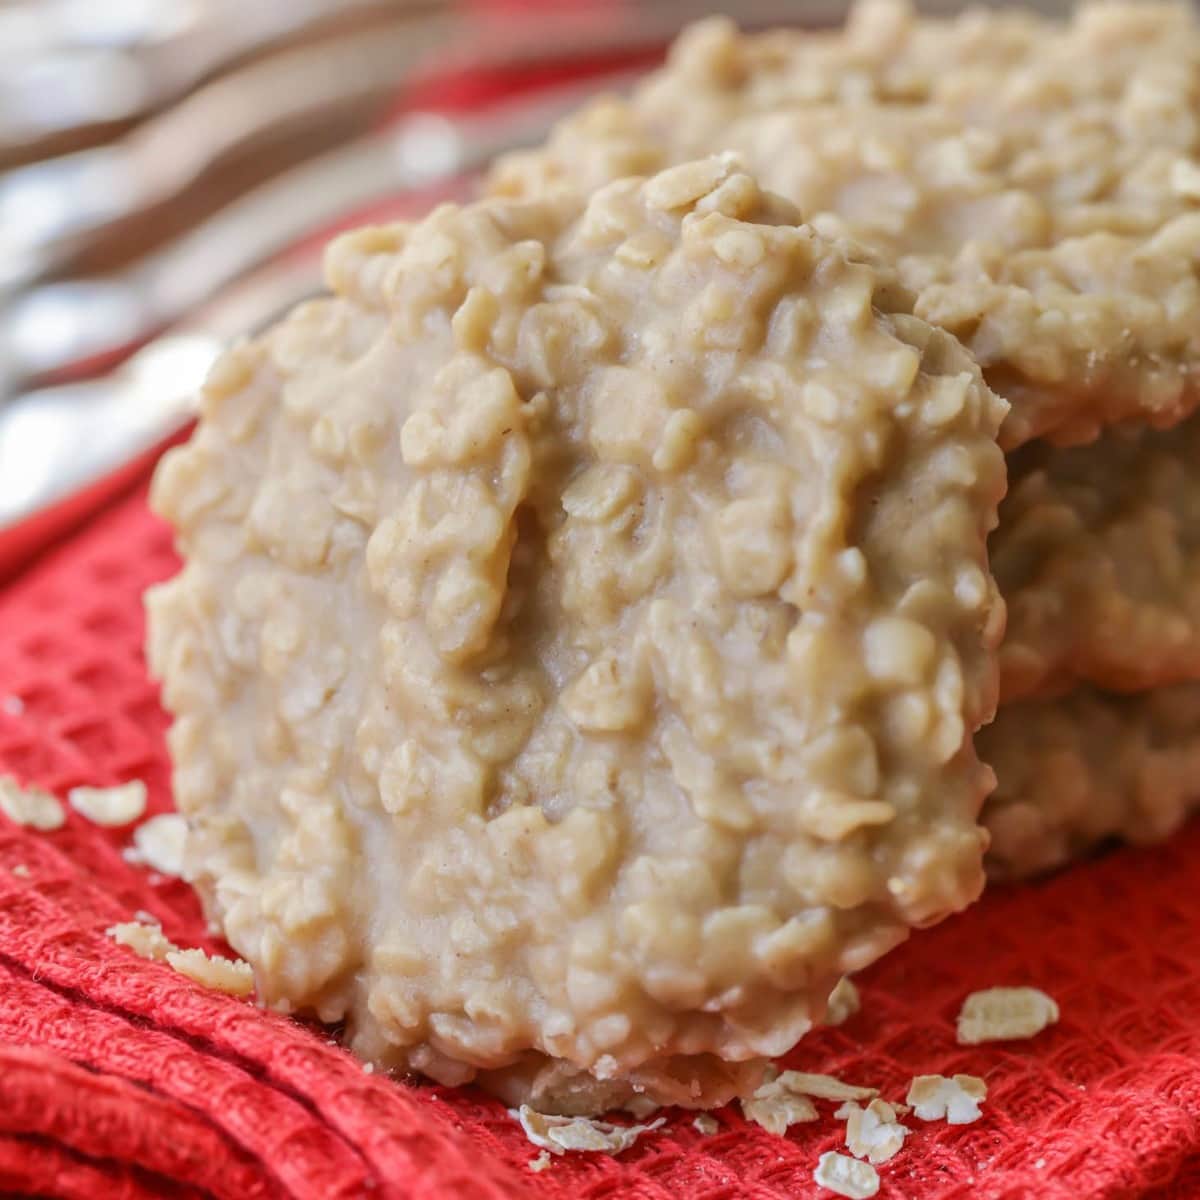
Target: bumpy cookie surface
x,y
1098,557
1034,183
584,619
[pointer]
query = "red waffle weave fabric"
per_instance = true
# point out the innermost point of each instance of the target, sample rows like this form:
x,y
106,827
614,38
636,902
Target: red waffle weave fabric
x,y
119,1078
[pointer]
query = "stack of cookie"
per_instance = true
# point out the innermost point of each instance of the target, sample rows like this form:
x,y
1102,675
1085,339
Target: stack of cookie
x,y
1035,187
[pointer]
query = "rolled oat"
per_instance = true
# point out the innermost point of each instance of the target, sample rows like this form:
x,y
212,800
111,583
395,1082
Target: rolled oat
x,y
846,1176
873,1133
213,971
160,843
1004,1014
823,1087
110,806
30,807
560,1135
957,1100
144,938
777,1109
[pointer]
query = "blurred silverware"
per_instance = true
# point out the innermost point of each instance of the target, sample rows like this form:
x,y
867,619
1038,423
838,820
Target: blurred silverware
x,y
55,213
67,65
66,450
54,330
47,206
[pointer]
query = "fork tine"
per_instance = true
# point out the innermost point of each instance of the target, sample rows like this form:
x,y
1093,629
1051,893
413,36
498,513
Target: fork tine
x,y
73,327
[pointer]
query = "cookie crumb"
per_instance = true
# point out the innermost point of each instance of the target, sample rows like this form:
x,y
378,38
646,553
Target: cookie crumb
x,y
230,975
776,1106
785,1098
705,1124
21,871
30,807
368,1068
110,806
159,843
641,1106
873,1132
957,1100
144,938
824,1087
844,1002
846,1176
1005,1014
559,1135
541,1163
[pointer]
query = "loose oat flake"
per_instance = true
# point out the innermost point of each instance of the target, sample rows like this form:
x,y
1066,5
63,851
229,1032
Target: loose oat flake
x,y
641,1106
785,1098
777,1112
221,974
873,1132
30,807
561,1134
823,1087
776,1106
541,1163
846,1176
110,806
144,938
159,843
705,1124
1003,1014
957,1100
844,1002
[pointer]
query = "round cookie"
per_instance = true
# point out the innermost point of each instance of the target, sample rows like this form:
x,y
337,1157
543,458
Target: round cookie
x,y
584,619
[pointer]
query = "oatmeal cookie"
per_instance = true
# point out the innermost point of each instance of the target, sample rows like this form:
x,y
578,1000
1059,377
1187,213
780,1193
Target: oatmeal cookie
x,y
584,619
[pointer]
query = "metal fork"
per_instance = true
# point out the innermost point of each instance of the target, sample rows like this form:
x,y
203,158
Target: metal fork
x,y
65,449
48,210
70,66
60,325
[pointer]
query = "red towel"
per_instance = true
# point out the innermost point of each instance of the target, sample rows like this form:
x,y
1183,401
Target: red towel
x,y
120,1078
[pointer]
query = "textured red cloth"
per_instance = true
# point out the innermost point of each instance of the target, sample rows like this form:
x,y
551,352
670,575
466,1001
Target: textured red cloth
x,y
119,1078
